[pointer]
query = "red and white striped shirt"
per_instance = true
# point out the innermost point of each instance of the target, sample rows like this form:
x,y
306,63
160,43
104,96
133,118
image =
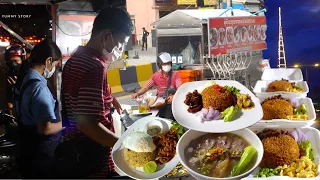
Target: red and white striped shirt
x,y
86,92
160,80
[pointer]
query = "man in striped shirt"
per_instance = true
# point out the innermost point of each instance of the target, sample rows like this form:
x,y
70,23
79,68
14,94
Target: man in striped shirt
x,y
86,95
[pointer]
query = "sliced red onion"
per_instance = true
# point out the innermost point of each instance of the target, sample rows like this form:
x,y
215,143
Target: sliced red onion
x,y
298,135
202,114
213,114
295,103
208,114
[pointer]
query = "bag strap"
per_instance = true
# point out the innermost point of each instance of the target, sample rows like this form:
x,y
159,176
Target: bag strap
x,y
168,86
22,90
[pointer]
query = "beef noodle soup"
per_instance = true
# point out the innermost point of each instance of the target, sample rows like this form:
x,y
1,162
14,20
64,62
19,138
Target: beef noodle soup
x,y
215,155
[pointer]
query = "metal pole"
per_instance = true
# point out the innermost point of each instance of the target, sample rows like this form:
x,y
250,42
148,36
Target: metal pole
x,y
16,35
307,74
229,3
54,20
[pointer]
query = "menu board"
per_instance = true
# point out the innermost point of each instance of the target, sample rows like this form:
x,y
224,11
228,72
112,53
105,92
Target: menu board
x,y
236,34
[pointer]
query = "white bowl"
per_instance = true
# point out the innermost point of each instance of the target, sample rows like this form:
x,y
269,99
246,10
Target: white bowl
x,y
285,123
246,134
313,135
261,87
292,74
153,123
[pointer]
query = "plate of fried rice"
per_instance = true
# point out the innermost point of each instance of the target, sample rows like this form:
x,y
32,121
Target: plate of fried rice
x,y
216,106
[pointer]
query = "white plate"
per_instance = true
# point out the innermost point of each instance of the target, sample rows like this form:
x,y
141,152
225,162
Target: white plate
x,y
291,74
120,162
290,123
261,87
244,119
246,134
314,138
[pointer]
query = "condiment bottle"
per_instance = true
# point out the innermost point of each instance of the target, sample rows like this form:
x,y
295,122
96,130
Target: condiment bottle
x,y
126,120
144,106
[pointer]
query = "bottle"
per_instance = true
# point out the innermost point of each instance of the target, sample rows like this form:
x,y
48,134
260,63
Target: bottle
x,y
125,119
143,106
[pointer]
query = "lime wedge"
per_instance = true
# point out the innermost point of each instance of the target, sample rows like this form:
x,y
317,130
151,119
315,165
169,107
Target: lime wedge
x,y
150,167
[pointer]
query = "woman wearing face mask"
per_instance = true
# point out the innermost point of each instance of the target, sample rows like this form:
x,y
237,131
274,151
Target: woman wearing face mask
x,y
161,80
39,122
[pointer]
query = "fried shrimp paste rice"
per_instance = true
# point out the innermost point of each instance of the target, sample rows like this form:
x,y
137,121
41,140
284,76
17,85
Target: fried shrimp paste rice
x,y
280,85
218,100
276,108
279,150
139,149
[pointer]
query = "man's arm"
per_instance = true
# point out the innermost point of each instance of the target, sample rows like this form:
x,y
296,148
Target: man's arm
x,y
89,125
143,90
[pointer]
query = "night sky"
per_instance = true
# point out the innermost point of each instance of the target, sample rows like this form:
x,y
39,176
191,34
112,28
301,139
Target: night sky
x,y
301,32
37,24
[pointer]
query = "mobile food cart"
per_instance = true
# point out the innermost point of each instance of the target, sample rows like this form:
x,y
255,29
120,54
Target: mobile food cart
x,y
184,34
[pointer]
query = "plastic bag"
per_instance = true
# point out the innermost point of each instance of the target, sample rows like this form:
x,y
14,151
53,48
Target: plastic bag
x,y
188,54
263,64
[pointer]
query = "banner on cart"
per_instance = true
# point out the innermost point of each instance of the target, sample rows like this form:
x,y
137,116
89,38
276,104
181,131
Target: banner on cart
x,y
236,34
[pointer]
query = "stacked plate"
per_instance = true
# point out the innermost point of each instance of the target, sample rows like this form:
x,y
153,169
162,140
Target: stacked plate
x,y
287,84
269,90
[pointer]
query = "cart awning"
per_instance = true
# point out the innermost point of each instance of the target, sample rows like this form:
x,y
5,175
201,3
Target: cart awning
x,y
193,18
179,32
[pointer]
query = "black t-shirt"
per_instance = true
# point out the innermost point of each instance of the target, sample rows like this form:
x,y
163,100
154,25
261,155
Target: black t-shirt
x,y
145,35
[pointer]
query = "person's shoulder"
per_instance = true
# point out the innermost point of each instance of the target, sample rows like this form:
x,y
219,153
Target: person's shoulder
x,y
175,73
156,74
85,61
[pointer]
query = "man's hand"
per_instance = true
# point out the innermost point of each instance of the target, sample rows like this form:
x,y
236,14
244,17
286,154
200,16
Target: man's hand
x,y
169,99
12,81
117,105
134,96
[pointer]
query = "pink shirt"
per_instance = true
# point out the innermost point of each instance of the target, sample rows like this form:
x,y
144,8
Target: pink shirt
x,y
161,81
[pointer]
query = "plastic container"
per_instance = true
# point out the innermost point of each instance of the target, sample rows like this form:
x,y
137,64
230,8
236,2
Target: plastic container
x,y
189,75
261,87
291,74
276,123
314,138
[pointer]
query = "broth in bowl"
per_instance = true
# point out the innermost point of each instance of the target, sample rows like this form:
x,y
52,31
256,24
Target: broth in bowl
x,y
216,155
220,156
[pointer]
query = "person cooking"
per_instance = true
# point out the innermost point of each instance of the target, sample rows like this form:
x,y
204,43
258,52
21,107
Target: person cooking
x,y
160,79
38,112
87,102
14,56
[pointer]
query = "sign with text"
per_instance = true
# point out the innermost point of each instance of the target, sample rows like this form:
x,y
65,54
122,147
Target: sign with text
x,y
236,34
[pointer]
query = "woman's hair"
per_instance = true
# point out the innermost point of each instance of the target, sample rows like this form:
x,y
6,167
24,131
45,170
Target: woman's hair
x,y
38,56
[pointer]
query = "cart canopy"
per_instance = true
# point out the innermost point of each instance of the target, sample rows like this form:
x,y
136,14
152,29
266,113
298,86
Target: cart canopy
x,y
193,18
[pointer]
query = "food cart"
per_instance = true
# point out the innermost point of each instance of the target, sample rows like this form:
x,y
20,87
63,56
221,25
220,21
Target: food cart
x,y
185,33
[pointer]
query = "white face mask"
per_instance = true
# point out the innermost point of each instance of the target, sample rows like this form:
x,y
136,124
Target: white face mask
x,y
166,68
114,54
47,74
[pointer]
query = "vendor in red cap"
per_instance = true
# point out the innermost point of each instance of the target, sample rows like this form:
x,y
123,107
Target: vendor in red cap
x,y
166,81
14,55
